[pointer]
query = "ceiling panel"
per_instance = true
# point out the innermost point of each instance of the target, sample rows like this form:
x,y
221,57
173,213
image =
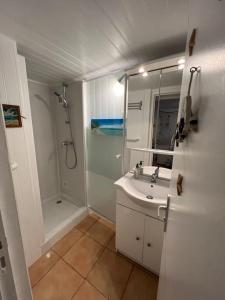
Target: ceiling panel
x,y
84,38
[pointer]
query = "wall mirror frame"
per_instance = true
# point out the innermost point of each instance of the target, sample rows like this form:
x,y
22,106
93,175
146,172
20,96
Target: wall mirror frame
x,y
164,91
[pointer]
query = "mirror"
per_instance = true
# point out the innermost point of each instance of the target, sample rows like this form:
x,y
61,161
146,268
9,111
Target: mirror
x,y
153,105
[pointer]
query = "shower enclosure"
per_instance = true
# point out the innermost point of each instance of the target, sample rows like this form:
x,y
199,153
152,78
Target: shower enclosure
x,y
58,133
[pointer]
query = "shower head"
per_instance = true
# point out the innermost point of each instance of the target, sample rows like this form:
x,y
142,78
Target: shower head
x,y
62,100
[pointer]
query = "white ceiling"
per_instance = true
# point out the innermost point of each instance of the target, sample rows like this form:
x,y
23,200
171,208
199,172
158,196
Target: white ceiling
x,y
72,39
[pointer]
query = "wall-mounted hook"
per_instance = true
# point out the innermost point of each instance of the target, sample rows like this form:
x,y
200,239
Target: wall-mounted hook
x,y
188,121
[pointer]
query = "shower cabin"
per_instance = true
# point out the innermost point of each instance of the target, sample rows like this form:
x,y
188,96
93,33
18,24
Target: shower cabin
x,y
57,117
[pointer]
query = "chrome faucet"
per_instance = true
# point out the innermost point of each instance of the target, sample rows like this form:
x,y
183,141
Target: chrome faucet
x,y
155,175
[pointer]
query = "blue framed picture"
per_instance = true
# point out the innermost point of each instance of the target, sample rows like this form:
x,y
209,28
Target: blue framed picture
x,y
12,116
107,126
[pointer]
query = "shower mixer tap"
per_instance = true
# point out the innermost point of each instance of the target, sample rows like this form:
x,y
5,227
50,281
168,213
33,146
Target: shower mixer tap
x,y
62,98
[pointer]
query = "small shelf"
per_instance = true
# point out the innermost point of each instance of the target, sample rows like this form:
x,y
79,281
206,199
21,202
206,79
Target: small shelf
x,y
156,151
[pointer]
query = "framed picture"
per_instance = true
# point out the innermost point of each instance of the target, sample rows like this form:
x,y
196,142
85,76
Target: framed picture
x,y
12,116
107,126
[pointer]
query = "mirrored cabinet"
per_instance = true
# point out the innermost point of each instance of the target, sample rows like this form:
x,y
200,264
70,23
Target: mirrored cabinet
x,y
153,99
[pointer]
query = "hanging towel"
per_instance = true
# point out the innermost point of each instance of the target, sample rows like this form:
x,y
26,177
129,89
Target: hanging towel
x,y
187,116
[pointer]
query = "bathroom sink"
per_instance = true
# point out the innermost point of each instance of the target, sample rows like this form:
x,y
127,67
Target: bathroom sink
x,y
145,192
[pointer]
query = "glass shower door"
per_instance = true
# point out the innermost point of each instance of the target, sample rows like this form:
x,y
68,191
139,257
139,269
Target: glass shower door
x,y
104,140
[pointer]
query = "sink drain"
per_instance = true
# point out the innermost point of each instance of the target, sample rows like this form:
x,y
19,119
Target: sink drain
x,y
149,197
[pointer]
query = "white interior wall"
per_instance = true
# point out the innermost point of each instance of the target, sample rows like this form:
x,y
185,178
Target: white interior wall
x,y
72,181
193,265
43,117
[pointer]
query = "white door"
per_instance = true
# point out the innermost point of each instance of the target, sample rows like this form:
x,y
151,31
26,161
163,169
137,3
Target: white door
x,y
193,260
153,241
7,287
129,232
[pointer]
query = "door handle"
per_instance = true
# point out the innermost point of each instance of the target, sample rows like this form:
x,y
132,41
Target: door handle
x,y
161,207
166,209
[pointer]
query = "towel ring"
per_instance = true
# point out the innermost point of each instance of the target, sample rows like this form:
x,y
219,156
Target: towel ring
x,y
192,71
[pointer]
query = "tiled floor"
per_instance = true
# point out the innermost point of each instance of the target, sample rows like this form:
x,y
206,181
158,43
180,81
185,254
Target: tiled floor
x,y
84,265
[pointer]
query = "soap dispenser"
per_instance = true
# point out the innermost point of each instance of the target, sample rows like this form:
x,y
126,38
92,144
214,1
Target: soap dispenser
x,y
141,167
137,171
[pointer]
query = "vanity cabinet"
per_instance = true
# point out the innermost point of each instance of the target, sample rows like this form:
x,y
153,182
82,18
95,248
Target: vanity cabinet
x,y
129,232
139,236
153,242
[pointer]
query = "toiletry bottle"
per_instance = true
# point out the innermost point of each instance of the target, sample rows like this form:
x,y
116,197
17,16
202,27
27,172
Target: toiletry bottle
x,y
137,171
141,167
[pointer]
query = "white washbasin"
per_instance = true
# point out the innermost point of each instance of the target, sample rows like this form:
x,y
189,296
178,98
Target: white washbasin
x,y
140,189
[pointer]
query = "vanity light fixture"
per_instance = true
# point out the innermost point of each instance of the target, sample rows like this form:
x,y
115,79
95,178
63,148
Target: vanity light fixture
x,y
141,70
145,74
181,61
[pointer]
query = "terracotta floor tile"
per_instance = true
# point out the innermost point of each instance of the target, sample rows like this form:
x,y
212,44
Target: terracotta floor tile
x,y
63,245
142,285
83,255
110,274
88,292
42,266
85,225
100,233
60,283
112,244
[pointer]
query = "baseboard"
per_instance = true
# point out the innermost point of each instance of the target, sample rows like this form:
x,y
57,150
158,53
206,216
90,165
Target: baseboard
x,y
90,210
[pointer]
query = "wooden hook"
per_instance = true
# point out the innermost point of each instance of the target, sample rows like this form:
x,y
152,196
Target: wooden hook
x,y
192,41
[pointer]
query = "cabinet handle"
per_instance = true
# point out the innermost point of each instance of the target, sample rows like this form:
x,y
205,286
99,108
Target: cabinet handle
x,y
137,238
149,244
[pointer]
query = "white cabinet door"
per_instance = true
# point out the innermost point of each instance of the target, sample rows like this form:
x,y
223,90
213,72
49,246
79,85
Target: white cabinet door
x,y
153,241
129,232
